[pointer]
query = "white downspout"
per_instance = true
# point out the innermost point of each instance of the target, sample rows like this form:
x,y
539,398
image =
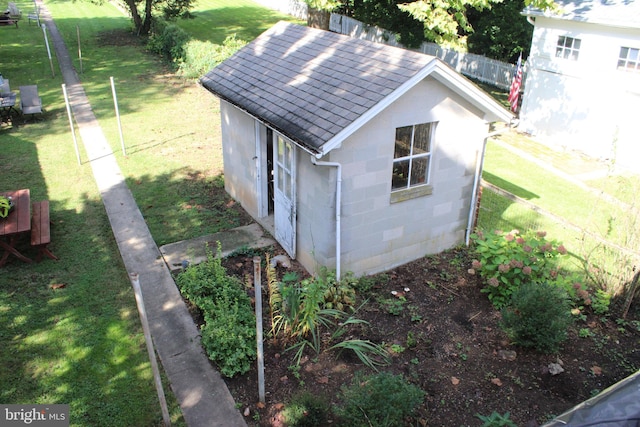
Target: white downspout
x,y
338,167
476,182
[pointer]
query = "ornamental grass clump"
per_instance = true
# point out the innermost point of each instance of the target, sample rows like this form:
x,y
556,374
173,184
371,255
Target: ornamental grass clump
x,y
507,261
538,317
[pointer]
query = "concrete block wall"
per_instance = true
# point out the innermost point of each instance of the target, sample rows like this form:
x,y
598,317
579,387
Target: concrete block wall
x,y
238,152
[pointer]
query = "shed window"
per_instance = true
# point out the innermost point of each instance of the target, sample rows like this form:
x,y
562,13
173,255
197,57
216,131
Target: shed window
x,y
629,59
568,48
412,156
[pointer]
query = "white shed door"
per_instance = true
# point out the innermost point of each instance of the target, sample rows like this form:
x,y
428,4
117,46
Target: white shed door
x,y
285,194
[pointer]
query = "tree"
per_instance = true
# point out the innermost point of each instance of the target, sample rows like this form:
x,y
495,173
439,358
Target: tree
x,y
142,11
445,21
386,14
501,32
319,12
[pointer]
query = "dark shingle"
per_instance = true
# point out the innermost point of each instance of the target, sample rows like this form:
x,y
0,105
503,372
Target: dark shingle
x,y
310,84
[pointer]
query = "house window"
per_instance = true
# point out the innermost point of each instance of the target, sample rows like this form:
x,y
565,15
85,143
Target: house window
x,y
412,156
568,48
629,59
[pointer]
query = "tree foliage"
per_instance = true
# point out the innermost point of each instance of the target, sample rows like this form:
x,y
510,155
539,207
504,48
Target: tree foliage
x,y
501,32
386,14
141,11
445,21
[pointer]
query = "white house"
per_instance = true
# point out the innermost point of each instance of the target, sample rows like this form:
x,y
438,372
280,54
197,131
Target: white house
x,y
355,155
582,89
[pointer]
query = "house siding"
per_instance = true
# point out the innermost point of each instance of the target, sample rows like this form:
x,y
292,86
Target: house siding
x,y
377,234
585,104
240,171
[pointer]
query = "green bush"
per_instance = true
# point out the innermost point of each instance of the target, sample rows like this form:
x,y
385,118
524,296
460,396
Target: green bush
x,y
380,400
168,40
201,284
228,334
201,56
306,410
507,261
538,317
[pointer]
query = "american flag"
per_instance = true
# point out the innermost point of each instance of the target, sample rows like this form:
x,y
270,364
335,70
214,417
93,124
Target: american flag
x,y
514,91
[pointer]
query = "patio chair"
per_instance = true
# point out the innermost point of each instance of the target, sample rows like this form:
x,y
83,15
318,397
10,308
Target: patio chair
x,y
14,13
34,16
30,101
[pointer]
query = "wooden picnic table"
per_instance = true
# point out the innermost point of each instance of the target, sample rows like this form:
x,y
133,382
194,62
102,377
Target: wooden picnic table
x,y
17,223
7,104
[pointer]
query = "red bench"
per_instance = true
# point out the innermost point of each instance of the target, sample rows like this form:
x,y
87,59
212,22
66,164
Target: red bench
x,y
40,229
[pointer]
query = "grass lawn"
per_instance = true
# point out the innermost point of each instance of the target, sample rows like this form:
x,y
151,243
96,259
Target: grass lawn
x,y
593,209
82,343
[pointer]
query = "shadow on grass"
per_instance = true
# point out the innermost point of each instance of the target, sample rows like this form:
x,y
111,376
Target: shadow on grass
x,y
508,186
70,331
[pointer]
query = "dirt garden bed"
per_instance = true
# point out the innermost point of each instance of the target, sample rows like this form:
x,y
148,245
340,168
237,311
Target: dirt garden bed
x,y
449,343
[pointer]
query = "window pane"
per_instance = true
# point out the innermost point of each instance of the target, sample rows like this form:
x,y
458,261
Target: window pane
x,y
576,44
288,155
403,142
280,150
422,139
629,59
400,177
287,184
419,170
282,184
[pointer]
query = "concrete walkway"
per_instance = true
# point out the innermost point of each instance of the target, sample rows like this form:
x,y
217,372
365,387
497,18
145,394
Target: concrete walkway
x,y
201,392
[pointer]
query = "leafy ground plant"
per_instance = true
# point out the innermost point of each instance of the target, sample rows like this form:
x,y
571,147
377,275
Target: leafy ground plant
x,y
539,316
381,399
496,420
508,260
306,410
228,334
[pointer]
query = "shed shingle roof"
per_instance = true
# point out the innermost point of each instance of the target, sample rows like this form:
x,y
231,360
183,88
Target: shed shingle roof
x,y
310,84
316,87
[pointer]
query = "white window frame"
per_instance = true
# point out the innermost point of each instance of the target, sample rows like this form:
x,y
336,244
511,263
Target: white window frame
x,y
626,60
568,51
420,188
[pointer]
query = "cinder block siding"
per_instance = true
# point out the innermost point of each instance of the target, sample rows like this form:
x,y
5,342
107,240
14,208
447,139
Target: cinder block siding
x,y
377,234
238,153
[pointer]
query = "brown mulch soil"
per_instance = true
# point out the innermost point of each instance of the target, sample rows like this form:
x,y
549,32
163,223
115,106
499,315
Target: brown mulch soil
x,y
460,358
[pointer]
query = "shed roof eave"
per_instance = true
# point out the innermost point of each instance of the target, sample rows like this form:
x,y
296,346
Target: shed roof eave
x,y
262,120
537,13
337,139
493,112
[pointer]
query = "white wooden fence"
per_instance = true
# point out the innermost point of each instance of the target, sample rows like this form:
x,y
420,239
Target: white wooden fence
x,y
478,67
